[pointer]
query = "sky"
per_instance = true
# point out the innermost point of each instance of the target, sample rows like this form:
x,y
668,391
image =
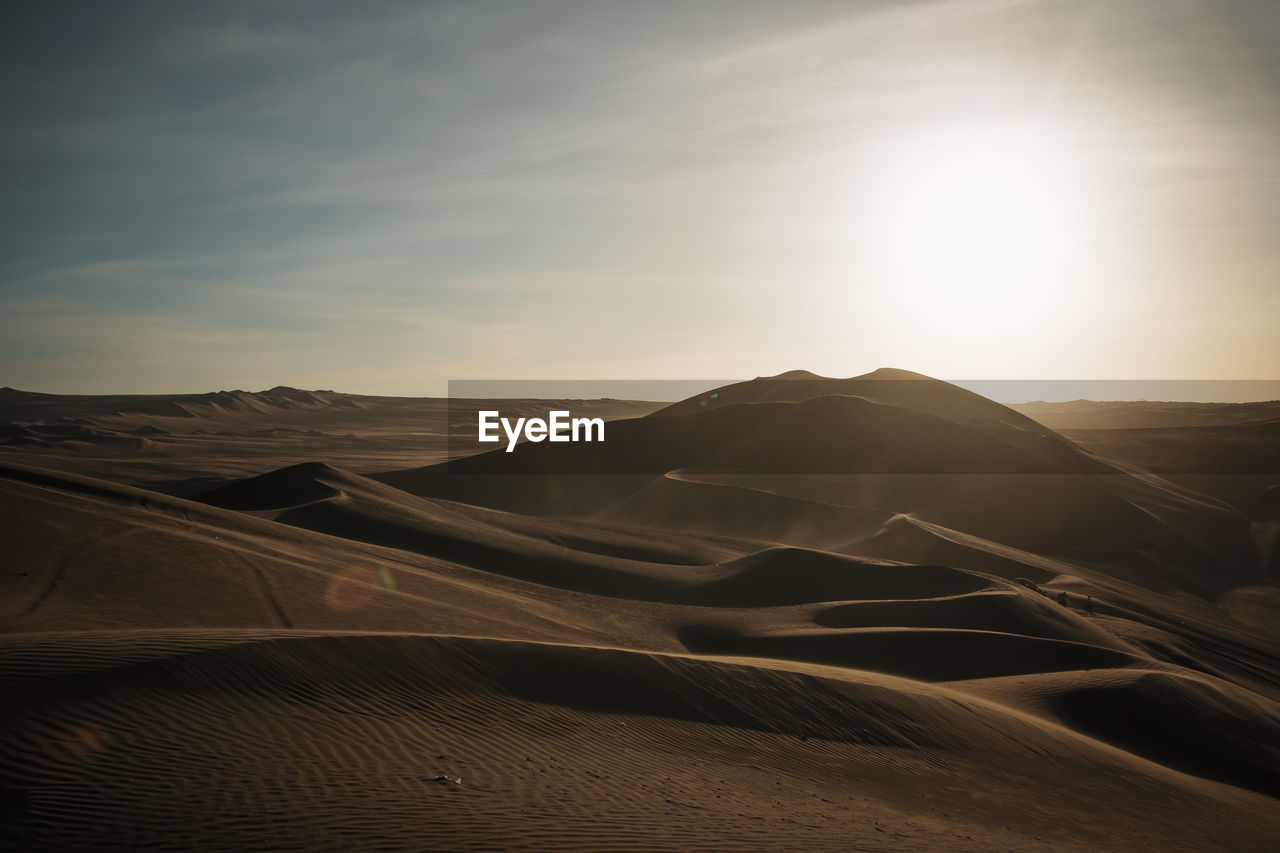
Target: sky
x,y
384,196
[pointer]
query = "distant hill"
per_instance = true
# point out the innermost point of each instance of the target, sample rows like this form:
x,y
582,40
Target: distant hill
x,y
18,405
1141,414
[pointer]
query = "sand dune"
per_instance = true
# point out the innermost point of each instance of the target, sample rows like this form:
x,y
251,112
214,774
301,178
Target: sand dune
x,y
905,390
830,433
467,744
977,635
912,446
1089,414
125,558
1200,724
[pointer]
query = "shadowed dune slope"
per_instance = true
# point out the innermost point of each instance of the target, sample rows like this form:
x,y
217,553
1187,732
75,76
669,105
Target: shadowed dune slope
x,y
1191,724
1048,513
1199,724
743,507
675,502
1018,526
929,654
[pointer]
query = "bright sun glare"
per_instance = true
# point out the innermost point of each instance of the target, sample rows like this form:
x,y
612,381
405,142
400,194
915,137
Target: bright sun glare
x,y
981,226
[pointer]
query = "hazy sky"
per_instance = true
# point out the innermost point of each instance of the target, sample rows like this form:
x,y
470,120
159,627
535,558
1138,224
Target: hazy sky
x,y
378,197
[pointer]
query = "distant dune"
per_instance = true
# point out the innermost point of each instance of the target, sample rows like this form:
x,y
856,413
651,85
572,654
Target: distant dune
x,y
1087,414
792,613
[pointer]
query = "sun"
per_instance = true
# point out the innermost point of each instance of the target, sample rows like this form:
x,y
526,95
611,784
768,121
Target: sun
x,y
979,225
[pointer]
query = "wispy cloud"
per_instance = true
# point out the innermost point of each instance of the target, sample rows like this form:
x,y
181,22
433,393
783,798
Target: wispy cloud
x,y
453,183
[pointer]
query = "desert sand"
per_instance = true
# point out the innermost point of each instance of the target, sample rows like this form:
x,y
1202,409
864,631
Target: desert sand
x,y
876,613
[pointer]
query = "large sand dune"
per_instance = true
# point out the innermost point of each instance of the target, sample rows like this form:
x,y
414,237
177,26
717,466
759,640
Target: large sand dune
x,y
970,633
